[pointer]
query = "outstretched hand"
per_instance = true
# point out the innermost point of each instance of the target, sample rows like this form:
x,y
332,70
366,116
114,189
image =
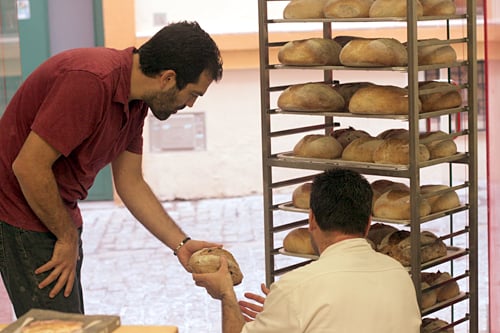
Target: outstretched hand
x,y
187,250
250,310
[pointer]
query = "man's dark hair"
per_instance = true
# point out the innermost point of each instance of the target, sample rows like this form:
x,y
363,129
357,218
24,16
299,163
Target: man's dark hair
x,y
341,200
183,47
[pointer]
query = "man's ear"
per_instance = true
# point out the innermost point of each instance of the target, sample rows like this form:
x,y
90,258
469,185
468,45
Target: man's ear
x,y
312,221
368,226
167,78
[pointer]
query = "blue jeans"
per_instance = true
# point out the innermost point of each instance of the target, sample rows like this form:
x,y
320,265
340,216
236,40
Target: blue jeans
x,y
23,251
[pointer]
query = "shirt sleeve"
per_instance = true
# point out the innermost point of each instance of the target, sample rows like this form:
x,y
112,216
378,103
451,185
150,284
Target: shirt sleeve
x,y
71,111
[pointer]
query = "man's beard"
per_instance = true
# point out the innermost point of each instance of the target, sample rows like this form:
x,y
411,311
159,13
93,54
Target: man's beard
x,y
163,104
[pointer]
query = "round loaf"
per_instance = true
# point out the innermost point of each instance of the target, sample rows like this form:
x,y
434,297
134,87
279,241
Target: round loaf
x,y
381,186
318,146
394,133
304,9
439,100
346,135
438,144
299,241
361,149
441,202
346,90
430,325
374,52
395,205
378,231
347,8
392,8
397,151
447,290
429,297
310,52
208,261
438,7
380,100
301,196
436,54
311,97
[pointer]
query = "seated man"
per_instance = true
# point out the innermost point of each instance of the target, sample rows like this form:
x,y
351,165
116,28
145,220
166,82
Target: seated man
x,y
349,289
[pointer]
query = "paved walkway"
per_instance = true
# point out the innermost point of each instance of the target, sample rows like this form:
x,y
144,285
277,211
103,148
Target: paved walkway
x,y
128,272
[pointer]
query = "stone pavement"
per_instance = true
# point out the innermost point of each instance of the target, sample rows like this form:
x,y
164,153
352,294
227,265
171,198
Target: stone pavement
x,y
128,272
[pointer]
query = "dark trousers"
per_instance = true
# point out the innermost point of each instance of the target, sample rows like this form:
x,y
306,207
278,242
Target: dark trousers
x,y
23,251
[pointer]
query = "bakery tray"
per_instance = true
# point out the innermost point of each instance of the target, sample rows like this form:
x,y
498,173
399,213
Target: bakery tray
x,y
289,157
288,206
451,253
438,306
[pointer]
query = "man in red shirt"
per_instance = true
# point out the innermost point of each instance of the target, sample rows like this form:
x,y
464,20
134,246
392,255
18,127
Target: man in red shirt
x,y
77,112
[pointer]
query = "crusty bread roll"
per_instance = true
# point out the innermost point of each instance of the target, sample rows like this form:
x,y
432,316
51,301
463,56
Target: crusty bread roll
x,y
318,146
378,231
310,52
208,261
311,97
436,54
374,52
439,144
346,135
397,245
447,290
304,9
441,202
361,149
430,325
346,90
439,100
397,151
299,241
301,196
394,133
381,186
392,8
438,7
347,8
380,100
395,205
429,297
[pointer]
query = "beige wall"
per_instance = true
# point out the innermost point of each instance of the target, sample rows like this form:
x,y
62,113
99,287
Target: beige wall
x,y
231,164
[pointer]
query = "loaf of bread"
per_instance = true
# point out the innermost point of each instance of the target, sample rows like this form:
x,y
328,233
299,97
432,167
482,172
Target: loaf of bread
x,y
208,261
301,196
311,97
394,204
440,202
431,325
299,241
378,231
392,8
439,144
448,287
318,146
438,7
429,297
381,186
346,90
394,133
378,99
374,52
361,149
436,54
397,151
347,8
450,98
304,9
346,135
310,52
398,246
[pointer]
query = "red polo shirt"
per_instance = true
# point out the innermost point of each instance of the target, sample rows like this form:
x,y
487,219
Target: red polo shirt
x,y
77,101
